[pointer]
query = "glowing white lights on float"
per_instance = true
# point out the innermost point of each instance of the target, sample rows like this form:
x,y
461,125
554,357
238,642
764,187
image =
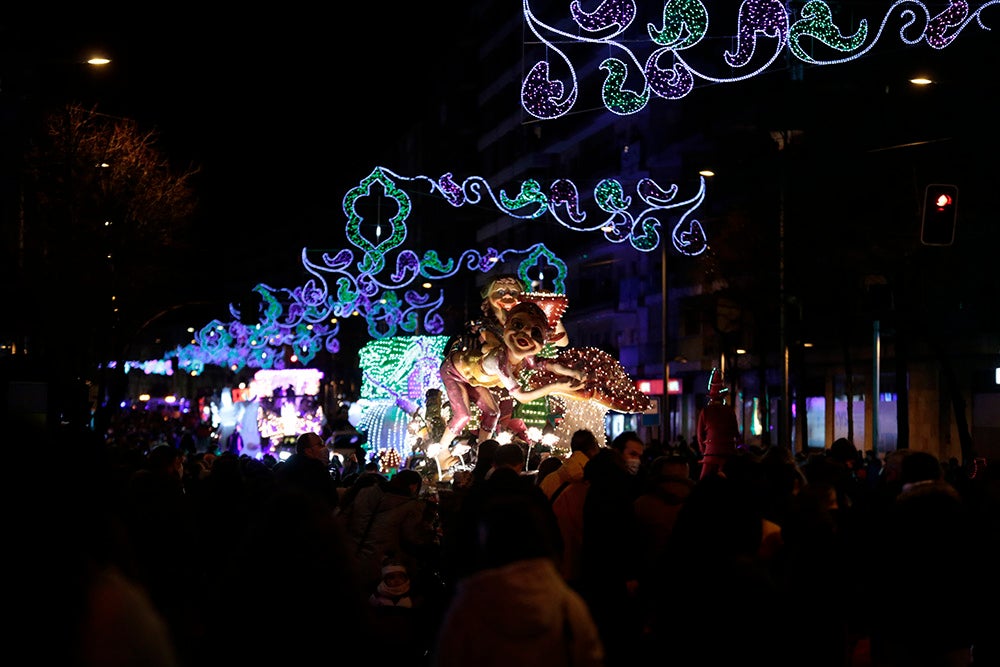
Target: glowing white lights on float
x,y
764,29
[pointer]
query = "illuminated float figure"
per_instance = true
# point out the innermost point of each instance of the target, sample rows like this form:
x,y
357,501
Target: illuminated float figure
x,y
577,374
607,384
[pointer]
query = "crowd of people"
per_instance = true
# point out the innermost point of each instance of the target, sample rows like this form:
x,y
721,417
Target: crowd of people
x,y
617,555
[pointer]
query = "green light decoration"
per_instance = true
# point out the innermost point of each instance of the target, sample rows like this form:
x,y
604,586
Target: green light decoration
x,y
396,374
685,23
765,28
401,368
817,22
376,278
531,193
374,253
539,253
616,97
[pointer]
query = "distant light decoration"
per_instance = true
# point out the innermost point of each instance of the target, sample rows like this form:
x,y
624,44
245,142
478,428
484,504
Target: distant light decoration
x,y
764,29
303,381
150,367
387,284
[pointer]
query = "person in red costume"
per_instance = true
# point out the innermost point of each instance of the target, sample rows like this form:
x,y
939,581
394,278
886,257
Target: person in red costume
x,y
718,432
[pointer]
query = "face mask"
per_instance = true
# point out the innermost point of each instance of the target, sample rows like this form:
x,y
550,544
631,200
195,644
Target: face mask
x,y
632,465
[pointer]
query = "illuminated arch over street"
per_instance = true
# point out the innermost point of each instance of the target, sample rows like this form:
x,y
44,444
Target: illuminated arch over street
x,y
765,29
383,281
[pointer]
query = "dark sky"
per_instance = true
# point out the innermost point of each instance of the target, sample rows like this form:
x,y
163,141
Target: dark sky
x,y
282,108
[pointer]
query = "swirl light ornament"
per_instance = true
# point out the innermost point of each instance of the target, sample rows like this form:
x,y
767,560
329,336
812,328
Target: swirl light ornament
x,y
765,29
380,279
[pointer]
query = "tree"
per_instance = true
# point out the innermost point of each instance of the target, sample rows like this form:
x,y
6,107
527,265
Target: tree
x,y
105,219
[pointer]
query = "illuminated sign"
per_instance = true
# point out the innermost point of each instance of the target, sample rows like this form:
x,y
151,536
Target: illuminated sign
x,y
655,387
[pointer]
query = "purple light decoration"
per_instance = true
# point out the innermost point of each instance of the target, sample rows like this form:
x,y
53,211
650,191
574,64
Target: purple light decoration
x,y
619,13
766,17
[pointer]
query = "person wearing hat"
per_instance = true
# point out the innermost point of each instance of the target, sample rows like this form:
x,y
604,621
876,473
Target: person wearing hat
x,y
394,588
717,431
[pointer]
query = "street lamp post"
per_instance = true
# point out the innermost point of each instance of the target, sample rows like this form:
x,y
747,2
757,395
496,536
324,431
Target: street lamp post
x,y
666,430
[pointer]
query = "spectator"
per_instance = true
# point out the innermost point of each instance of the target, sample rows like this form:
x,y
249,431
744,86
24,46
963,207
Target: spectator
x,y
308,470
389,520
503,481
546,467
516,610
583,445
668,484
610,561
927,531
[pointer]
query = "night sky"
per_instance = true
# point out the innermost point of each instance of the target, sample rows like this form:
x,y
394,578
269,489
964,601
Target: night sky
x,y
282,109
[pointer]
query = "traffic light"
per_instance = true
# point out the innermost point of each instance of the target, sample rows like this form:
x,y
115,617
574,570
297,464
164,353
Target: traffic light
x,y
937,226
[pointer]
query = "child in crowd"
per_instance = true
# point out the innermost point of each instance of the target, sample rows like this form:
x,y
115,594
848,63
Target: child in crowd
x,y
394,589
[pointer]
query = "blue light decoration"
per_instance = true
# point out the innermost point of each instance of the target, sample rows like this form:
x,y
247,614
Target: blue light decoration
x,y
377,278
150,367
764,29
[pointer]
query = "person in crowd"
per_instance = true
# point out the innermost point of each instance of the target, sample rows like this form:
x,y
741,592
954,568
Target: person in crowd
x,y
308,469
927,531
631,447
610,549
812,541
505,479
583,446
485,452
667,485
546,467
712,585
159,517
301,571
394,588
516,609
389,519
717,430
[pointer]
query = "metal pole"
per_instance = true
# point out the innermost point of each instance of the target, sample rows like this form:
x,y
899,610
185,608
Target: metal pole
x,y
876,378
667,434
784,433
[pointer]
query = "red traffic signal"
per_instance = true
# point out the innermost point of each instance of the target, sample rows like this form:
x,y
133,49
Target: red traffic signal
x,y
940,211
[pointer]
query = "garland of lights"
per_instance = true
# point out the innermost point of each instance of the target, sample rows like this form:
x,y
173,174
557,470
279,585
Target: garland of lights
x,y
668,72
379,283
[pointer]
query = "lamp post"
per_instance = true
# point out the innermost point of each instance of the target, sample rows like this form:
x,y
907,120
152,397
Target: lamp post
x,y
666,430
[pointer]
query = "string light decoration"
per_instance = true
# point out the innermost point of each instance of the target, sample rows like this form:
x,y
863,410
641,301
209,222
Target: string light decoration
x,y
582,415
396,374
383,282
151,367
765,28
401,369
390,461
